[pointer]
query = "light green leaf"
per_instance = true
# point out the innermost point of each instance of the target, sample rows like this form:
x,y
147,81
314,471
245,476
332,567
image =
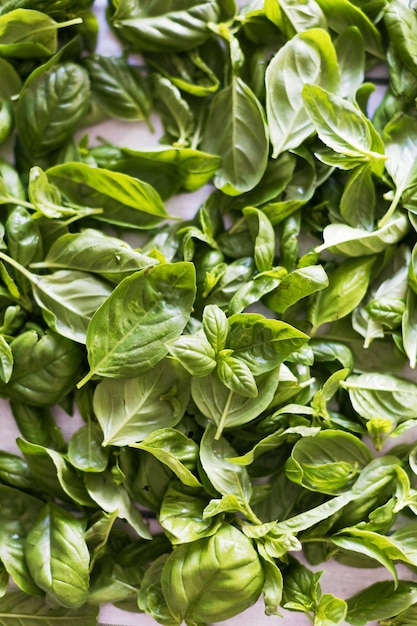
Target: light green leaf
x,y
58,557
243,142
17,608
309,57
128,410
128,333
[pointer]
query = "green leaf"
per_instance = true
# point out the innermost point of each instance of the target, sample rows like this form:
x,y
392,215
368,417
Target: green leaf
x,y
203,580
236,375
226,477
92,251
345,14
128,333
309,57
45,368
348,284
57,556
181,515
298,284
26,33
17,607
329,462
51,108
69,299
6,360
358,199
111,497
194,353
263,236
343,127
128,410
125,201
18,512
292,16
383,396
227,409
243,142
118,88
262,343
331,611
216,327
85,450
174,449
154,28
379,601
409,328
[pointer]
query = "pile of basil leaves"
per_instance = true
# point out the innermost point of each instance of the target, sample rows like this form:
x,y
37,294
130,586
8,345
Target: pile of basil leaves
x,y
240,374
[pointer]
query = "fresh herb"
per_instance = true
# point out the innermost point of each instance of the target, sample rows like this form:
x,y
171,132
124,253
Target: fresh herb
x,y
242,375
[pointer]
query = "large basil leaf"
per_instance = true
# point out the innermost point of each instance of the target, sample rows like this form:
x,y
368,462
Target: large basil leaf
x,y
348,284
128,333
184,168
356,242
18,512
379,601
157,27
309,57
382,396
203,580
401,21
342,14
51,108
92,251
129,410
344,128
58,557
26,33
243,140
17,607
118,88
69,299
125,201
46,368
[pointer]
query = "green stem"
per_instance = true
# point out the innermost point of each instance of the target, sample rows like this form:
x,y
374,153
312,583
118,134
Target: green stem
x,y
17,202
31,277
73,22
223,416
391,209
85,380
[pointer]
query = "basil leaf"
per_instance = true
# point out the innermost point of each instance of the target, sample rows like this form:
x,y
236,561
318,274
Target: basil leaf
x,y
26,33
208,589
85,449
155,28
17,606
348,284
118,88
18,510
130,410
158,299
124,200
309,57
295,17
45,369
243,142
58,557
51,108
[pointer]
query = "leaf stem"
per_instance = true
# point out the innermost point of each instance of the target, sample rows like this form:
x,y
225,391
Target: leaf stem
x,y
391,209
223,417
20,268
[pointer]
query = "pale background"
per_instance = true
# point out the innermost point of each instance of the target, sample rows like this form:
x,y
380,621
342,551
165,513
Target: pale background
x,y
339,580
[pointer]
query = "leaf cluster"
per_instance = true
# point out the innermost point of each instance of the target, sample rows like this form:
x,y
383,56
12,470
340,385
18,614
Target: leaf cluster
x,y
240,374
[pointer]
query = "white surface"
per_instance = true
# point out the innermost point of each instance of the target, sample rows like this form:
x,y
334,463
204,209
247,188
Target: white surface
x,y
341,581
